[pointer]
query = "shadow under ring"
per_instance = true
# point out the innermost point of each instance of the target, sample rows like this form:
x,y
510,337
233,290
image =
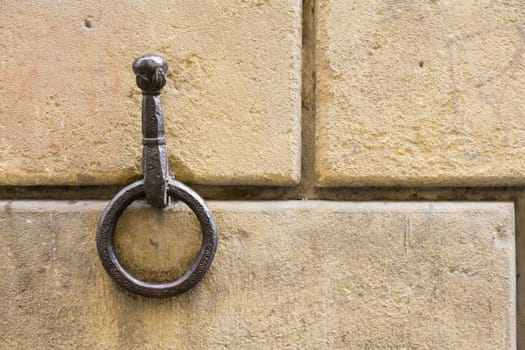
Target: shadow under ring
x,y
201,264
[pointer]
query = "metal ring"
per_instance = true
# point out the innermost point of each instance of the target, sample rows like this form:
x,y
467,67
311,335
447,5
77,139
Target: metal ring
x,y
201,264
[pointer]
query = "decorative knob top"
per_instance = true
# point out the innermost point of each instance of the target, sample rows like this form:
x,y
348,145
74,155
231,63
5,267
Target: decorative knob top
x,y
151,73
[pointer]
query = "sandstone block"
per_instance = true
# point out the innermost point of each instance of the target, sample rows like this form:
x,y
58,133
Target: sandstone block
x,y
70,110
420,93
287,275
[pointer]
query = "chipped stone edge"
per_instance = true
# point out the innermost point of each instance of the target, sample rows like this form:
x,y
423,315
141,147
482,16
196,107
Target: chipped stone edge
x,y
255,206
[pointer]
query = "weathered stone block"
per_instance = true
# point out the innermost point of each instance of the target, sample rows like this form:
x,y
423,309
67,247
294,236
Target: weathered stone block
x,y
304,275
420,93
70,110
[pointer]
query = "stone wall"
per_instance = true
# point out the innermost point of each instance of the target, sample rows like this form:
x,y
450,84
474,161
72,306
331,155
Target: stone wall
x,y
363,160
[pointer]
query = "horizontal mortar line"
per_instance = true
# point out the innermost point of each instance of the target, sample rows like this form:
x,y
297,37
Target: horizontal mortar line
x,y
279,193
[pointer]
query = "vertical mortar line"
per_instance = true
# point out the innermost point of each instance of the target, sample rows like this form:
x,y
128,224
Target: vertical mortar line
x,y
306,189
519,210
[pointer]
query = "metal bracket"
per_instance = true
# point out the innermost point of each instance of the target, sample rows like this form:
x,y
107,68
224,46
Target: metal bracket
x,y
151,77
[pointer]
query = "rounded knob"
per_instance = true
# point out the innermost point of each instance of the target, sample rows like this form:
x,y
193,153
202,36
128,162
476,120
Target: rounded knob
x,y
151,73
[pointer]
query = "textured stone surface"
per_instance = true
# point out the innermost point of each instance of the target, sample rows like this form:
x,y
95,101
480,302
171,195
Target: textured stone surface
x,y
420,92
70,110
287,275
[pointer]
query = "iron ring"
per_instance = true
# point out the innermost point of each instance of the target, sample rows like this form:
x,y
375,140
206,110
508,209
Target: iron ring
x,y
106,249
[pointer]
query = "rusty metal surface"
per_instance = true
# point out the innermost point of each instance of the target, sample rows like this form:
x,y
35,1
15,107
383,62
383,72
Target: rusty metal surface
x,y
151,78
156,187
